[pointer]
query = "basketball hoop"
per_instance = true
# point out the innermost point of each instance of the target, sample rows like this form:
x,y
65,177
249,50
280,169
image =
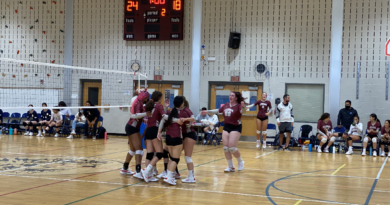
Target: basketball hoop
x,y
387,48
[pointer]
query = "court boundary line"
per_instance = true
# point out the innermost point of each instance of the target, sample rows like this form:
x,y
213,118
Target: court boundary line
x,y
375,182
266,154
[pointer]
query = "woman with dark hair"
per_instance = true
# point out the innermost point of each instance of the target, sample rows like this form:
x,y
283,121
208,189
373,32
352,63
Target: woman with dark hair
x,y
92,117
325,132
354,133
45,118
32,119
133,133
79,121
55,121
173,138
265,108
385,138
232,112
373,128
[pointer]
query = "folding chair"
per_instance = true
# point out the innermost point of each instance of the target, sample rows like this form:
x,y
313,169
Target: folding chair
x,y
339,140
67,125
271,127
305,133
14,121
4,123
213,136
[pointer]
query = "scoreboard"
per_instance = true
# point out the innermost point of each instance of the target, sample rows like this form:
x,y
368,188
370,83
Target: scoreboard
x,y
153,20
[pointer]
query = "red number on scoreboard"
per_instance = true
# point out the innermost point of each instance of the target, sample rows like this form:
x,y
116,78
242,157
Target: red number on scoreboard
x,y
163,12
132,4
177,5
157,1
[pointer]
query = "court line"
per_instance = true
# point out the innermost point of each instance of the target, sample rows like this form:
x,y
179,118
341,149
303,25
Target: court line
x,y
132,185
375,182
266,154
298,202
382,191
338,169
156,197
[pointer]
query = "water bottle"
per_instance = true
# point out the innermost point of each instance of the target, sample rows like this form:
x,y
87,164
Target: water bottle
x,y
1,131
310,147
11,131
15,131
370,151
331,149
303,147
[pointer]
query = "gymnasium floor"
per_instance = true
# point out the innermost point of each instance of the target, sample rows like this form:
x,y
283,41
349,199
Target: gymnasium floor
x,y
50,171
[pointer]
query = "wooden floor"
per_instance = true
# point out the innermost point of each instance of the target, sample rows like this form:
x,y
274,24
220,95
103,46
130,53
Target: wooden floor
x,y
61,171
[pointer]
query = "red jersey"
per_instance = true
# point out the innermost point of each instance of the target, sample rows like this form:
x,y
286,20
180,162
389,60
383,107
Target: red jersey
x,y
232,114
384,131
263,108
375,127
174,129
187,126
157,113
138,108
322,126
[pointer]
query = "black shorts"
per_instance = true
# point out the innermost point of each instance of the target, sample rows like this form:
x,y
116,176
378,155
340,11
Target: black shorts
x,y
232,128
285,127
372,136
151,133
191,135
262,118
130,130
173,141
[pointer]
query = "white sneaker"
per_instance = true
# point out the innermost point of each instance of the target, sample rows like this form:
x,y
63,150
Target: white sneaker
x,y
189,180
374,153
31,134
364,153
170,181
39,134
388,154
44,132
264,144
138,175
383,154
258,144
145,175
162,175
177,175
26,133
94,138
56,135
152,179
326,150
349,152
70,137
155,172
319,149
126,172
241,166
230,169
73,132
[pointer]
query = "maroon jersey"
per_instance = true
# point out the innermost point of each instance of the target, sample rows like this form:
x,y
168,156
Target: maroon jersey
x,y
232,114
383,131
187,126
174,129
375,127
157,113
138,108
263,108
322,126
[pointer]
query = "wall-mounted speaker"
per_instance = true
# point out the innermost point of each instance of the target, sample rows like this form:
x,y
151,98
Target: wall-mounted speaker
x,y
234,40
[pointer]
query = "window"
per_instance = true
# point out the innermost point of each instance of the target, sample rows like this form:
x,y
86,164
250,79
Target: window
x,y
307,101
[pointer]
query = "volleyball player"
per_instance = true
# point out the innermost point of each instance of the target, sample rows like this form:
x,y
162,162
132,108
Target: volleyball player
x,y
173,138
354,133
373,128
385,138
325,132
189,139
232,112
265,108
55,121
32,119
133,133
45,118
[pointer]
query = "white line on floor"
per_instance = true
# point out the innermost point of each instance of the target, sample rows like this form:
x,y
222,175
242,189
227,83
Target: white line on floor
x,y
266,154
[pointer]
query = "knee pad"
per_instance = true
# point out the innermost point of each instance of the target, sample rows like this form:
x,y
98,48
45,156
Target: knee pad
x,y
176,160
226,149
131,153
149,156
324,140
258,132
233,149
332,139
341,134
374,140
349,138
365,139
265,133
159,155
188,159
165,154
24,123
140,152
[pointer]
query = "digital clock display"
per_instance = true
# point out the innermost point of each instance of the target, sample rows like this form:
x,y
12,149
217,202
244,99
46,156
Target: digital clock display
x,y
153,20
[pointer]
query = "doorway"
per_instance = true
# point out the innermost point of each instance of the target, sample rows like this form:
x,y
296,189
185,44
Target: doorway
x,y
92,91
169,89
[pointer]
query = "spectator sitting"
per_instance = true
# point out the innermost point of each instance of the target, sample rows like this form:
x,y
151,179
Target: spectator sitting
x,y
79,121
1,117
202,116
92,115
210,122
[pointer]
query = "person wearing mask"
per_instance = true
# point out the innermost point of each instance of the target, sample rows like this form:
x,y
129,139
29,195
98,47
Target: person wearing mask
x,y
92,117
202,115
346,116
32,119
285,119
79,121
45,116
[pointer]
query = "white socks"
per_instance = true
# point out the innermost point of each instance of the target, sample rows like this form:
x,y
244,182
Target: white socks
x,y
170,174
258,141
230,162
350,147
239,159
327,147
190,173
364,150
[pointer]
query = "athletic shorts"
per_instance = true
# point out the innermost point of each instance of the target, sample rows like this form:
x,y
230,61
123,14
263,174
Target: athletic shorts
x,y
232,128
173,141
151,133
262,118
130,130
191,135
285,127
372,136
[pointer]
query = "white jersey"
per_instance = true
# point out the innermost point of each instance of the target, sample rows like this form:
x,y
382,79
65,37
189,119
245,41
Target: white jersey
x,y
356,130
284,113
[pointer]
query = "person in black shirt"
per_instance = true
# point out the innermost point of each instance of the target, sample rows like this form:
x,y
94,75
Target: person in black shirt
x,y
32,119
346,116
1,117
45,119
92,115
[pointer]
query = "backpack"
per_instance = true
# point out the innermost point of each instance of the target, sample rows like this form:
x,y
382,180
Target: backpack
x,y
100,133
